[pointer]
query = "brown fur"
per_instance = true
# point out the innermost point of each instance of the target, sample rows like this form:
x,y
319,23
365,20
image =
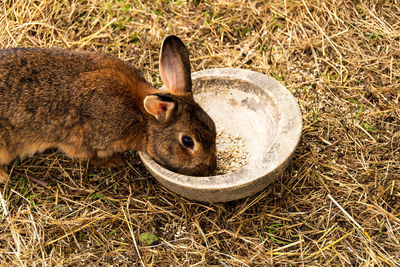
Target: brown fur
x,y
90,105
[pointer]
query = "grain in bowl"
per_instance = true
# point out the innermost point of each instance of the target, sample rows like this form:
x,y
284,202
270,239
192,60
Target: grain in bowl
x,y
232,154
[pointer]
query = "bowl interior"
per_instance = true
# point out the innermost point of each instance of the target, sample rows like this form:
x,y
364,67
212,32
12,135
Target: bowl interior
x,y
240,108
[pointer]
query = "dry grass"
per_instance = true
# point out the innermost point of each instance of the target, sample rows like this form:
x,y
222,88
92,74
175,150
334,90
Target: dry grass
x,y
337,204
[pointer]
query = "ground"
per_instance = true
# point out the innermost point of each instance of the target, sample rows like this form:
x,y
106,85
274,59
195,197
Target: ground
x,y
338,202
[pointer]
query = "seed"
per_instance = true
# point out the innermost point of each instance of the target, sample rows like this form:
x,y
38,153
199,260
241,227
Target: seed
x,y
232,154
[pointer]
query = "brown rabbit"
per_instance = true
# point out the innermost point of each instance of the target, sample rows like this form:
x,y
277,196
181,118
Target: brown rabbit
x,y
93,106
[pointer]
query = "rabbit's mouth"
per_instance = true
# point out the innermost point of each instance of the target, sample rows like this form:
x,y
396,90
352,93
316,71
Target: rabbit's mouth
x,y
200,170
191,167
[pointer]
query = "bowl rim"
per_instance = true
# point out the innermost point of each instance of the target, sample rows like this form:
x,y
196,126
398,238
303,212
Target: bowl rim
x,y
226,181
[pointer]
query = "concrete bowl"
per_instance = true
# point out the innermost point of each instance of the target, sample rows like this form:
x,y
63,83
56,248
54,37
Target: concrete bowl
x,y
253,106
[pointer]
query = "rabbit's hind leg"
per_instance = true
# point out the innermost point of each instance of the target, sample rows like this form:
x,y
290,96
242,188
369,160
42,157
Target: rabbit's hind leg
x,y
3,176
5,158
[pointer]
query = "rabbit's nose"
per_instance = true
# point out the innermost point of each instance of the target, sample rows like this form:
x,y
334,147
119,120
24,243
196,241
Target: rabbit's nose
x,y
212,163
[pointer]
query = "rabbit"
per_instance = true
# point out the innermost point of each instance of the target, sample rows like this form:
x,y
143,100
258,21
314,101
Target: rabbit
x,y
94,106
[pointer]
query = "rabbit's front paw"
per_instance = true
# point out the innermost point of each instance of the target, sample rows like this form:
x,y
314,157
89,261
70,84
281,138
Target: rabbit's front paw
x,y
110,162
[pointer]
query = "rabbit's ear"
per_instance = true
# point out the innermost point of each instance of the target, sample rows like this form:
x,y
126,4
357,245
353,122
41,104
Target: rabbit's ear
x,y
160,107
175,66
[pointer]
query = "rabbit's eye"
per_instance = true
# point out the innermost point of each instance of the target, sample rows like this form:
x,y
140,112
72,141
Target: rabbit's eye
x,y
187,141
